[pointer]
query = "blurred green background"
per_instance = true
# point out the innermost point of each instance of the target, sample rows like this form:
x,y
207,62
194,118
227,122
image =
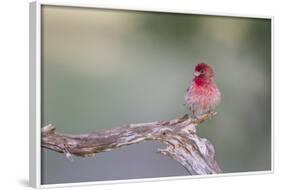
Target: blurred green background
x,y
107,68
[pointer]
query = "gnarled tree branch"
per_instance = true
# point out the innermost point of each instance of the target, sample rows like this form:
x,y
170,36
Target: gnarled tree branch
x,y
195,154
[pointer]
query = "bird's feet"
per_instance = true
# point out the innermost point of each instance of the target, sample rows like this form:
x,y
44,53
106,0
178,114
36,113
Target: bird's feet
x,y
194,117
211,114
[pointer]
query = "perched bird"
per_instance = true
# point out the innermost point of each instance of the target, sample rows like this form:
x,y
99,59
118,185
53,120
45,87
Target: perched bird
x,y
203,94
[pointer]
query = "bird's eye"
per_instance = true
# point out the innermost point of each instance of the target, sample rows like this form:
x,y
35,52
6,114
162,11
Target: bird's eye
x,y
202,72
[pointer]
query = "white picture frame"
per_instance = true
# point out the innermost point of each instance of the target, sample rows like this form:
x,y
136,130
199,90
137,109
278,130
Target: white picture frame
x,y
35,90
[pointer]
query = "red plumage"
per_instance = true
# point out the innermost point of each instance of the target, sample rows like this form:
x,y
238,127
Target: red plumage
x,y
203,94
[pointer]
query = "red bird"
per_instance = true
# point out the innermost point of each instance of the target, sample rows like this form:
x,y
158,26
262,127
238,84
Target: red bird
x,y
203,94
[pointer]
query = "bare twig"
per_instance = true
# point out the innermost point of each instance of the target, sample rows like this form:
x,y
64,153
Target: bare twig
x,y
195,154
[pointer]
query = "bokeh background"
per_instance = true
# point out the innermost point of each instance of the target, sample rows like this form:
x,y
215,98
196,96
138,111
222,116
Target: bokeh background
x,y
106,68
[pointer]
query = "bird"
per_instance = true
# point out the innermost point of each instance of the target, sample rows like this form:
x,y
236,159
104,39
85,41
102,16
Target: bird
x,y
203,95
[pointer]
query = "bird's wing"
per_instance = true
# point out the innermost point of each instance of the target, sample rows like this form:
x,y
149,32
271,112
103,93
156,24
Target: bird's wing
x,y
185,96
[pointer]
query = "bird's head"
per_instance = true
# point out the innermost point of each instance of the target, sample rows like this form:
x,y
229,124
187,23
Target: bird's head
x,y
203,70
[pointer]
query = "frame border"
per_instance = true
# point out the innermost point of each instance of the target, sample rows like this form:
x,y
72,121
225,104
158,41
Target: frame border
x,y
35,94
35,9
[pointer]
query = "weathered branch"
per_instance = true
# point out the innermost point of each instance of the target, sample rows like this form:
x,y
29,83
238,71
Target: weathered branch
x,y
195,154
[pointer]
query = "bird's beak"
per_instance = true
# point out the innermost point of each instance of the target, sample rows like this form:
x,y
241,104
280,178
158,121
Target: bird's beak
x,y
196,73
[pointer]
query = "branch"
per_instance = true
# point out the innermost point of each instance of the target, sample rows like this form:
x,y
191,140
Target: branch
x,y
195,154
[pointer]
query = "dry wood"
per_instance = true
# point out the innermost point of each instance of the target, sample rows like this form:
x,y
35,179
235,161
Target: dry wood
x,y
195,154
